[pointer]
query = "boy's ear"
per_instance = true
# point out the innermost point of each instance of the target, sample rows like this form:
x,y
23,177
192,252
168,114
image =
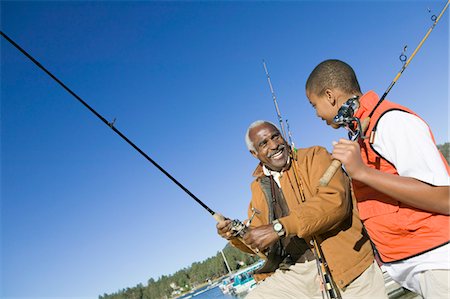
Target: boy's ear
x,y
331,97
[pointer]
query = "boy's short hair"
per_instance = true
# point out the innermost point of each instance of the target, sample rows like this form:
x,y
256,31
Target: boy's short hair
x,y
332,73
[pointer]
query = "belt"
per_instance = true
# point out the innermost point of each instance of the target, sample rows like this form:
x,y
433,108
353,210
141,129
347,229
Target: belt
x,y
307,256
288,261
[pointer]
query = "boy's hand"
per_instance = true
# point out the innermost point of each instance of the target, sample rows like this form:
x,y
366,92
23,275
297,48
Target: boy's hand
x,y
348,152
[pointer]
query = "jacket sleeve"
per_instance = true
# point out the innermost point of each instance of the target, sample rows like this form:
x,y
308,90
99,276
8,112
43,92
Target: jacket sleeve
x,y
241,246
325,208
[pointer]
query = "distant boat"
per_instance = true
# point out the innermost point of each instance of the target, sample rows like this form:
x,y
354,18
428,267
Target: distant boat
x,y
227,285
242,281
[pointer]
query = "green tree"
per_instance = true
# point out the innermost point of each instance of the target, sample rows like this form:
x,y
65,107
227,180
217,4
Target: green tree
x,y
445,150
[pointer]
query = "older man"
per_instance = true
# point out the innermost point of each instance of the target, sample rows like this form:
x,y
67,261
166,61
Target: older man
x,y
300,220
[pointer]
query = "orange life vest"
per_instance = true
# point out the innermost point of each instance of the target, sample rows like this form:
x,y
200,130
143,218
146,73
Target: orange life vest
x,y
397,230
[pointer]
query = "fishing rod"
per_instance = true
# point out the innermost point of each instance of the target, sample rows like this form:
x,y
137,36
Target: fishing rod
x,y
238,227
277,109
109,124
274,98
329,290
345,114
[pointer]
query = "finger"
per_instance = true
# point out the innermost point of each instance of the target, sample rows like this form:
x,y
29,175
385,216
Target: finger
x,y
343,149
345,141
223,224
246,238
343,145
339,151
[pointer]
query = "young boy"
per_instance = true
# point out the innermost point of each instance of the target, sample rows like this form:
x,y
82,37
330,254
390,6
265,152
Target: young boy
x,y
400,179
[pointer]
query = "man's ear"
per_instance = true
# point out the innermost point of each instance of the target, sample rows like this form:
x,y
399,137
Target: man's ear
x,y
330,96
254,154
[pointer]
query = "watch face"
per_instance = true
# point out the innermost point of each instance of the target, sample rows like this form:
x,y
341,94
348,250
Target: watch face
x,y
277,227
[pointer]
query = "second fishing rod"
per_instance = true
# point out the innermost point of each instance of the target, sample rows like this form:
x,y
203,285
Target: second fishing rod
x,y
329,289
355,126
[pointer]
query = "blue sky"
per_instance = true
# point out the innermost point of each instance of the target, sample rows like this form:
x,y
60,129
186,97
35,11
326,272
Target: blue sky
x,y
82,213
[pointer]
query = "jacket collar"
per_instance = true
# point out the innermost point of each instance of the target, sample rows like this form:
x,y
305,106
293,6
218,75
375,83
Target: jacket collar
x,y
258,171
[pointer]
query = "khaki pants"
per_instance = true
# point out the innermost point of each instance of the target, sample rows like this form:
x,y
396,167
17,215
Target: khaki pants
x,y
435,284
302,281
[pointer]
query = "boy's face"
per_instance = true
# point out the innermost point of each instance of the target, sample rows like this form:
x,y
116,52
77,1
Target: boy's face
x,y
325,105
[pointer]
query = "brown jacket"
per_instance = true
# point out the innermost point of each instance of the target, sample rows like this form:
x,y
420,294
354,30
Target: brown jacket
x,y
328,213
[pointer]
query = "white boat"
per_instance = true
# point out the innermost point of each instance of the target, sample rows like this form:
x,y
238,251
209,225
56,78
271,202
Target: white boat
x,y
241,281
226,285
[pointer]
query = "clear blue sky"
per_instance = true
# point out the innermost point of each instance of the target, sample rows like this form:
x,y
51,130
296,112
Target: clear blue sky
x,y
82,213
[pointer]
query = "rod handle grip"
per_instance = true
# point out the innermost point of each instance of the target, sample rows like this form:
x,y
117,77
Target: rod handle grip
x,y
218,217
329,173
336,164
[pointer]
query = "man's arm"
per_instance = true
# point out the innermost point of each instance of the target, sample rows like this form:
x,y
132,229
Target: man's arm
x,y
323,211
326,207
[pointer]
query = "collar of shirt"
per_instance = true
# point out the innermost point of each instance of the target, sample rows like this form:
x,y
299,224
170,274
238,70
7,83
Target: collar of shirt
x,y
275,174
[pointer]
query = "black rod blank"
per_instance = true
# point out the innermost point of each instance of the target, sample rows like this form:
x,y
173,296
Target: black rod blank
x,y
111,125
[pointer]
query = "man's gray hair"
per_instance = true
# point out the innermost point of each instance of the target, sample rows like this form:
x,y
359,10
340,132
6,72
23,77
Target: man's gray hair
x,y
249,143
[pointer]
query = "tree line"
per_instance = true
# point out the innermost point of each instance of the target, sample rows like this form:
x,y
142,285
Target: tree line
x,y
186,279
445,150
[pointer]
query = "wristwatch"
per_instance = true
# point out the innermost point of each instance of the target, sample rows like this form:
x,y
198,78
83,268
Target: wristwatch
x,y
278,228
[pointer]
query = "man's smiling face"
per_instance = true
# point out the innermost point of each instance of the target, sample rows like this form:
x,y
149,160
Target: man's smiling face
x,y
271,148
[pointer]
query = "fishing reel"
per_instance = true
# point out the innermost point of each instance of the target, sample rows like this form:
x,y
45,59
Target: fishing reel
x,y
239,228
345,118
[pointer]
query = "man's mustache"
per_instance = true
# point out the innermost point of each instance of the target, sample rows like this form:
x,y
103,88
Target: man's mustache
x,y
280,147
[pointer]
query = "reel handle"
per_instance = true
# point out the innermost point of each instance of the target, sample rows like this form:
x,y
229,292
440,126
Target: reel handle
x,y
336,164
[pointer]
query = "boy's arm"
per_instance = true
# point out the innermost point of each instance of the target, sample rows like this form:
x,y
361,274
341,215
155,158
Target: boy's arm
x,y
405,189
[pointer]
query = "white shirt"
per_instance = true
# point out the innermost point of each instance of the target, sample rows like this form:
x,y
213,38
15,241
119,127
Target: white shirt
x,y
405,141
275,174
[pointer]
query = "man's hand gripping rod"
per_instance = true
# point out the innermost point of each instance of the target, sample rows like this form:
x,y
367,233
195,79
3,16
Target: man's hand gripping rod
x,y
345,118
336,164
239,229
